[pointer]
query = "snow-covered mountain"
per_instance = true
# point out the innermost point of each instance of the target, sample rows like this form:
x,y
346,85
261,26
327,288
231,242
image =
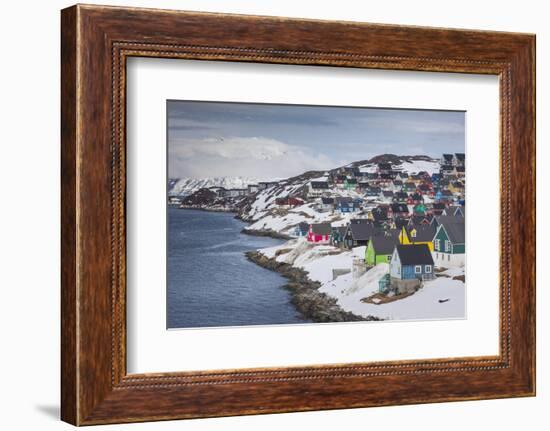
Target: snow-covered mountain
x,y
407,164
187,186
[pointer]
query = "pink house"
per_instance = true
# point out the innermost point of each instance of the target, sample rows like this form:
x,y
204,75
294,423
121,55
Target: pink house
x,y
319,233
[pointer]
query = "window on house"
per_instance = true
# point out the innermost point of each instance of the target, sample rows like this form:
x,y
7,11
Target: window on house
x,y
417,269
437,244
428,269
447,245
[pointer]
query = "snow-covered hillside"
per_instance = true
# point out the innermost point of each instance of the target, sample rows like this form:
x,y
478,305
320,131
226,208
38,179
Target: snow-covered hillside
x,y
187,186
262,212
409,166
443,297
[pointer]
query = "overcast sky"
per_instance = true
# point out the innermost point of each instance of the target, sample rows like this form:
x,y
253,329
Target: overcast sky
x,y
215,139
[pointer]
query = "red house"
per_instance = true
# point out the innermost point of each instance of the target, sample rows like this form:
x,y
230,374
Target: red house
x,y
289,202
319,233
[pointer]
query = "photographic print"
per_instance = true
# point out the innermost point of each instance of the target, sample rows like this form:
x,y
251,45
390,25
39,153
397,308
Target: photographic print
x,y
294,214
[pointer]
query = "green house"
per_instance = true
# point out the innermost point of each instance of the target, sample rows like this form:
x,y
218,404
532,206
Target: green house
x,y
380,249
449,242
350,184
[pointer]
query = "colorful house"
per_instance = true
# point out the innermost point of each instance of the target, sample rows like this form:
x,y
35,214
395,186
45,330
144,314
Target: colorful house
x,y
289,202
399,210
358,234
373,191
347,205
449,242
319,233
301,230
411,262
327,204
350,184
317,187
419,209
338,235
380,248
400,197
420,234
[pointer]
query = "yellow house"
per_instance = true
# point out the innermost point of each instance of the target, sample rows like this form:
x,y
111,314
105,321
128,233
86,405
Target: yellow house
x,y
455,188
423,234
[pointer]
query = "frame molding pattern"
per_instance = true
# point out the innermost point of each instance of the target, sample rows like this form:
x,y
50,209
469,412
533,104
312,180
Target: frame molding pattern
x,y
96,41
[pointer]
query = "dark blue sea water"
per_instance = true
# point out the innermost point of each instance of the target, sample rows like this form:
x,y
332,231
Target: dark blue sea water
x,y
210,281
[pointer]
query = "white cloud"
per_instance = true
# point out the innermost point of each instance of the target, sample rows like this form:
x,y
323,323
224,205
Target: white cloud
x,y
242,156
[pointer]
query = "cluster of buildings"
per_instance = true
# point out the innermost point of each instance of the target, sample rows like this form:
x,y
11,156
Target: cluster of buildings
x,y
392,185
412,222
250,189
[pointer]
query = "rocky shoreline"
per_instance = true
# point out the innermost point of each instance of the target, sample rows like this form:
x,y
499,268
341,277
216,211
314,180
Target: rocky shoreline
x,y
314,305
269,233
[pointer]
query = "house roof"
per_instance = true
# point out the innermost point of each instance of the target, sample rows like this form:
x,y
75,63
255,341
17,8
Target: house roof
x,y
375,190
319,184
384,243
341,230
362,231
345,200
424,232
447,157
399,208
414,254
321,228
400,222
327,201
379,214
360,220
417,220
455,230
303,226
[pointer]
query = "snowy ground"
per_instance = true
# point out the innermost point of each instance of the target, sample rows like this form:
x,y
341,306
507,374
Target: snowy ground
x,y
304,213
422,305
320,260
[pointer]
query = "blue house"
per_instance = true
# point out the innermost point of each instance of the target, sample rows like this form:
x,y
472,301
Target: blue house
x,y
348,205
412,262
301,229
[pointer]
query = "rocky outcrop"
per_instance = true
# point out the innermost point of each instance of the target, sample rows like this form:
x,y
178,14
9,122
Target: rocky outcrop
x,y
202,197
266,232
314,305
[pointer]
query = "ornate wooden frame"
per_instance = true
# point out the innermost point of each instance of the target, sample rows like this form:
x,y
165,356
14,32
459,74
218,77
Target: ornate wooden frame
x,y
95,42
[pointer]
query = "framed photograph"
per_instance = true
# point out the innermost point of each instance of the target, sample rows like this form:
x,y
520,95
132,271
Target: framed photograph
x,y
265,215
